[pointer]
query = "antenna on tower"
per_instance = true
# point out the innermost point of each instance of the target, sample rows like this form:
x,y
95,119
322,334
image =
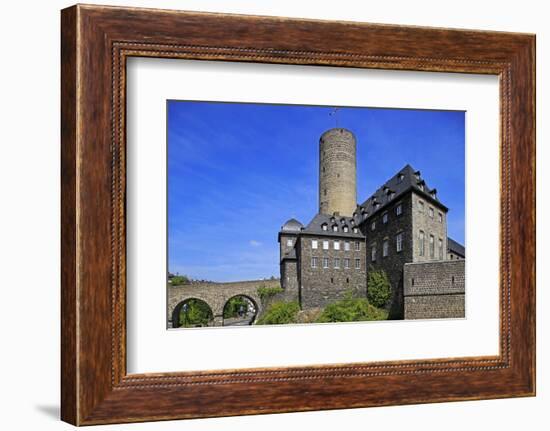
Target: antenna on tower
x,y
334,113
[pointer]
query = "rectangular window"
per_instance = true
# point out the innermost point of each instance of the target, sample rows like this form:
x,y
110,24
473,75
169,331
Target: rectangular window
x,y
336,245
346,263
385,218
373,225
314,262
373,253
432,247
421,243
314,244
399,242
421,206
440,249
325,262
289,243
346,246
431,212
399,209
440,218
385,248
325,245
357,263
357,246
337,262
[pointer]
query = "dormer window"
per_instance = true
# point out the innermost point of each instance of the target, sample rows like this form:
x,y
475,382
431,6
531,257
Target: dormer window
x,y
400,178
332,219
433,193
352,222
324,226
345,229
335,228
355,230
417,175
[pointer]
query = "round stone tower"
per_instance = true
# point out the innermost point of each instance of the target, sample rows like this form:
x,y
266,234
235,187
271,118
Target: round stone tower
x,y
337,176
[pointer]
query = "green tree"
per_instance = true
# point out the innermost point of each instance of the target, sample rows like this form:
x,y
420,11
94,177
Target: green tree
x,y
351,309
378,287
198,313
233,306
280,313
178,280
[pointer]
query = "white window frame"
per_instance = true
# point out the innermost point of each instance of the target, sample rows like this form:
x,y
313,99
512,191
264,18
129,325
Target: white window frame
x,y
373,253
324,226
346,263
421,239
336,245
347,246
336,263
289,242
385,248
325,262
345,229
325,245
385,218
373,225
357,263
314,261
314,244
399,242
432,247
357,246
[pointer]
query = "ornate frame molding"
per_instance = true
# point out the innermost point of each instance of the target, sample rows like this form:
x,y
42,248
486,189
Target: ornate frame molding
x,y
96,41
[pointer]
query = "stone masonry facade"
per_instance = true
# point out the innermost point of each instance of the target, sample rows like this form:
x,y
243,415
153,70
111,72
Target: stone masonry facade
x,y
434,289
402,224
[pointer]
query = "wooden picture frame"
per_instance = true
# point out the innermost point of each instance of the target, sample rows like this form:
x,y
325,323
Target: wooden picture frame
x,y
95,43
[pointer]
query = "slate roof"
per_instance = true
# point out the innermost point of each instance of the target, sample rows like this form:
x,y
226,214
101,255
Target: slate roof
x,y
315,226
292,225
406,179
455,247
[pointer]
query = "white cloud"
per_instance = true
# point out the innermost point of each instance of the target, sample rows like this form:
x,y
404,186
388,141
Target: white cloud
x,y
254,243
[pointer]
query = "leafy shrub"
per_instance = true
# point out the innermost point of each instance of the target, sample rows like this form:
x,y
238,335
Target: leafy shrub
x,y
351,309
266,294
178,280
378,288
233,306
280,313
198,314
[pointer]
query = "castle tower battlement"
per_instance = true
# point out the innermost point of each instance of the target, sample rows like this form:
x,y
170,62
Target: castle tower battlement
x,y
337,172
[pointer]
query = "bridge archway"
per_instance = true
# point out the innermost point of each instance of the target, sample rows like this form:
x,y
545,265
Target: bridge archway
x,y
192,313
240,310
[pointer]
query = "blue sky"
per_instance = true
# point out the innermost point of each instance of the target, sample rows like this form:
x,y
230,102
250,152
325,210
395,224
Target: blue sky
x,y
237,172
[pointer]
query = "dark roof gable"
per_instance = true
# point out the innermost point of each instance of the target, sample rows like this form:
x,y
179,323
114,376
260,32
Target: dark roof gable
x,y
406,179
455,247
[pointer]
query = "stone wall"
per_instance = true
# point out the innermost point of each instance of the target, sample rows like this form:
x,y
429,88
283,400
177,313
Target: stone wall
x,y
322,286
289,281
434,290
393,263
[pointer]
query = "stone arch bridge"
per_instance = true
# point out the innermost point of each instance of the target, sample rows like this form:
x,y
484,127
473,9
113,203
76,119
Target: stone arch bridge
x,y
215,295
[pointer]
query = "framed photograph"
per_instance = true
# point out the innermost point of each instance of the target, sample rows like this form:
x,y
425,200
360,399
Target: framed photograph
x,y
325,214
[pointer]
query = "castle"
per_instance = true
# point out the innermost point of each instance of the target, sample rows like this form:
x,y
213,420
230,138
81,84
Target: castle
x,y
401,229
